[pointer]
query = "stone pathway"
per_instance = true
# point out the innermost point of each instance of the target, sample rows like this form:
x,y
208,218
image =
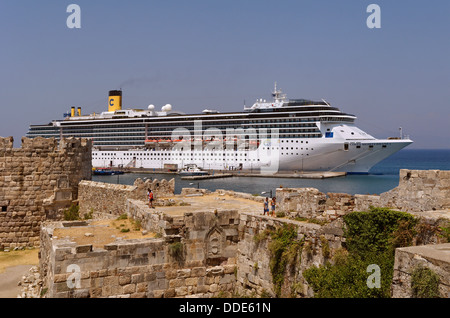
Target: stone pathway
x,y
10,278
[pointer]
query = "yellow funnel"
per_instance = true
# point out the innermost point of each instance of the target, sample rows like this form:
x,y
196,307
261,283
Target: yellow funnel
x,y
114,101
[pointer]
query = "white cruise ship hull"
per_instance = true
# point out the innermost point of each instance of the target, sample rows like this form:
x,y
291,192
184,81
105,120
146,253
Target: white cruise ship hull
x,y
296,155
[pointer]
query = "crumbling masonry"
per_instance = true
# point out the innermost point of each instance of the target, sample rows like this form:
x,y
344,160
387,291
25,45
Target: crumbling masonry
x,y
218,253
37,181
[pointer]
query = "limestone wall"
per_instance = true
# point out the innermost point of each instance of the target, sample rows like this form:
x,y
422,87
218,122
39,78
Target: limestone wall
x,y
418,190
37,181
311,203
221,253
112,198
254,277
407,259
148,268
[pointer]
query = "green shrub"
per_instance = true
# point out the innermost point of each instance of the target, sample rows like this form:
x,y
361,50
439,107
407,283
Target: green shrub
x,y
89,215
123,216
424,283
378,230
371,238
284,251
445,231
176,251
262,235
72,213
280,214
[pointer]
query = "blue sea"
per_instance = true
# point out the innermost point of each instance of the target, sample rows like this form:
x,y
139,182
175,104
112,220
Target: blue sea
x,y
381,178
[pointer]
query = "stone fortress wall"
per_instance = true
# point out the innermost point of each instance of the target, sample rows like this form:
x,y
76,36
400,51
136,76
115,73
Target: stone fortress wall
x,y
220,256
37,181
418,191
216,255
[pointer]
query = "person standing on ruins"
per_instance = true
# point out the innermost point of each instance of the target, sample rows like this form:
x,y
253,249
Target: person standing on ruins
x,y
266,207
273,206
150,198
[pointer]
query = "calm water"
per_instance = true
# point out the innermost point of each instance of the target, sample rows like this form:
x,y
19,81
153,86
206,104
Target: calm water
x,y
382,177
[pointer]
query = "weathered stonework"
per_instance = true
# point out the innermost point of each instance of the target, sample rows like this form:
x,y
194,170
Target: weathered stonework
x,y
112,198
311,203
37,181
254,277
220,255
407,259
418,191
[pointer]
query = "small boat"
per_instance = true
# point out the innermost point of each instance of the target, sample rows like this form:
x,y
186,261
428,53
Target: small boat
x,y
106,172
192,170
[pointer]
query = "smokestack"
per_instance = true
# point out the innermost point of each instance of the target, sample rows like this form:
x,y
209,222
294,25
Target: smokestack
x,y
115,101
79,111
72,112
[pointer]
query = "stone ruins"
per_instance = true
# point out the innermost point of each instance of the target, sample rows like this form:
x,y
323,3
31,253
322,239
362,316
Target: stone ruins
x,y
212,252
38,181
194,244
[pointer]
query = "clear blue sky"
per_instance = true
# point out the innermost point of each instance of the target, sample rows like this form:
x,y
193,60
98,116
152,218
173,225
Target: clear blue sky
x,y
201,54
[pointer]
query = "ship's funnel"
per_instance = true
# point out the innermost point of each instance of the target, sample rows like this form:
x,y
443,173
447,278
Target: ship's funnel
x,y
72,112
79,111
115,101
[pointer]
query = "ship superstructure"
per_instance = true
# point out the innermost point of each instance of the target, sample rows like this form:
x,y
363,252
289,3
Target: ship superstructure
x,y
281,134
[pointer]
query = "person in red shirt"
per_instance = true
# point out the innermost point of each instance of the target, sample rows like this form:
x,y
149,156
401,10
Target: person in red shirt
x,y
150,199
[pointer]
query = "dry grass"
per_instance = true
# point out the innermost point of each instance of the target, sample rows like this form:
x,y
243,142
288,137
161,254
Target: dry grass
x,y
104,232
14,258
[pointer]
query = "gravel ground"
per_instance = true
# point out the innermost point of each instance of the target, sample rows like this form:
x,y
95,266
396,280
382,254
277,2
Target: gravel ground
x,y
10,278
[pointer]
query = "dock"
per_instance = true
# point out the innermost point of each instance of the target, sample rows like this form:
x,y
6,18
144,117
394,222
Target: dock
x,y
298,175
304,175
209,176
214,174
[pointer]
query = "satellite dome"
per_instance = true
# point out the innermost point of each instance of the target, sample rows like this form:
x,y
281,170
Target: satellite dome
x,y
151,107
166,108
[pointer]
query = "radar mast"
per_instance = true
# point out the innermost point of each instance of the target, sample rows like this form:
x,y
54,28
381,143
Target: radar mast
x,y
277,94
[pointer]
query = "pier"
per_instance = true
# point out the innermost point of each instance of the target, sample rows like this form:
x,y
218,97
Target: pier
x,y
296,175
209,176
214,174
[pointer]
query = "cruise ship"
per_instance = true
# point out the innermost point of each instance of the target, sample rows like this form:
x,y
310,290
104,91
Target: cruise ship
x,y
270,136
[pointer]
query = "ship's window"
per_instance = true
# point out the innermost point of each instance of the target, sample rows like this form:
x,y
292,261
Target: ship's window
x,y
384,146
345,146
